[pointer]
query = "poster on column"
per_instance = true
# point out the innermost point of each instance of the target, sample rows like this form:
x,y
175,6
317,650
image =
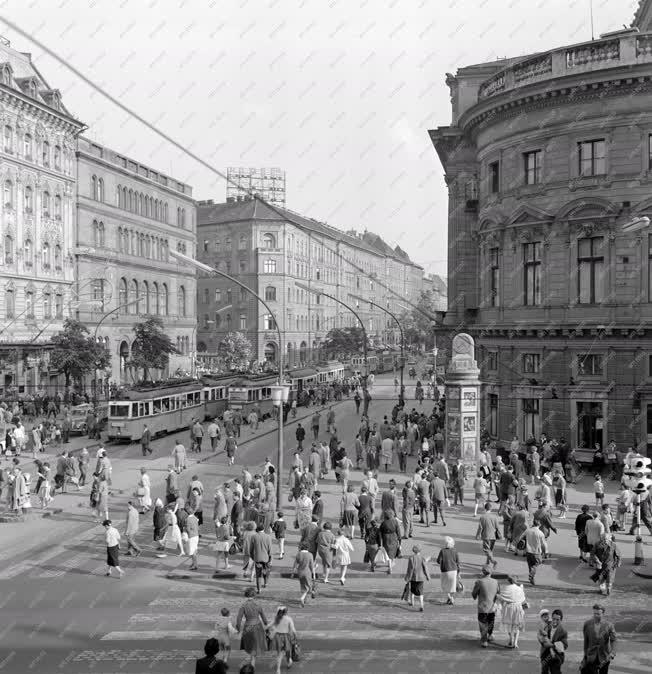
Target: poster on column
x,y
469,424
469,450
469,400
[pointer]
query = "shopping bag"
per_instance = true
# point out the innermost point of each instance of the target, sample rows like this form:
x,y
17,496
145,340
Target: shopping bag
x,y
459,587
381,557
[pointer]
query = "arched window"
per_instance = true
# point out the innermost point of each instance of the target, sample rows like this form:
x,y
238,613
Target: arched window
x,y
45,204
133,297
45,255
29,199
229,296
270,293
269,266
125,199
27,146
146,296
29,303
151,207
9,249
122,295
156,308
146,205
47,305
148,246
156,209
10,303
178,216
118,196
270,352
100,229
242,243
164,299
45,153
183,218
58,257
96,234
218,319
100,189
120,241
9,138
269,241
28,252
130,202
228,322
181,301
57,207
9,194
57,157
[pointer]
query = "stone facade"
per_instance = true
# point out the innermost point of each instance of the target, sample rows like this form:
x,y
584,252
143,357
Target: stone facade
x,y
271,254
547,157
128,217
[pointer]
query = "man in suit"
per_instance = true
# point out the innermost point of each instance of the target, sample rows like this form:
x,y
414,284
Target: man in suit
x,y
365,511
409,499
485,591
439,495
553,638
488,532
423,495
458,477
388,498
599,643
309,536
417,573
260,552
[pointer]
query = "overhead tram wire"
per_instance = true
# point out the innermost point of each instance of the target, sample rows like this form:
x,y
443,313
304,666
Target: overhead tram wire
x,y
54,55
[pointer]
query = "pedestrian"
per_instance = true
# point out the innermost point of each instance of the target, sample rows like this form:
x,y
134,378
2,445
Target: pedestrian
x,y
349,504
131,530
535,548
486,591
192,530
365,510
214,434
439,496
283,635
325,548
554,643
304,570
252,623
559,486
279,528
315,424
391,538
145,441
261,553
211,663
344,466
160,523
343,549
513,602
488,532
458,479
407,510
303,515
102,498
230,447
179,456
172,491
144,492
423,496
608,554
223,542
249,566
593,530
82,465
599,643
480,488
506,510
44,489
415,576
373,544
517,527
197,436
449,567
112,537
172,537
598,490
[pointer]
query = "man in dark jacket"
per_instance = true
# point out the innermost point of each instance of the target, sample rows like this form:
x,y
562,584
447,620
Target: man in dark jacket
x,y
171,485
261,553
365,511
580,530
407,512
388,498
300,435
318,508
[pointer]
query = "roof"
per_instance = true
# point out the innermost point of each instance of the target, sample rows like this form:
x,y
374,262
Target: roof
x,y
643,17
438,283
255,209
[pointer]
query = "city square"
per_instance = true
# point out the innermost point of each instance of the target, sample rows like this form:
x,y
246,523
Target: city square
x,y
264,405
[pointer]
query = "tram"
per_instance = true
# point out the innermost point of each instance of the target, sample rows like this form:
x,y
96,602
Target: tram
x,y
305,378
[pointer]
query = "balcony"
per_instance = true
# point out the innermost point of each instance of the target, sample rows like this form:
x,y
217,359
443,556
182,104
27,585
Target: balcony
x,y
626,50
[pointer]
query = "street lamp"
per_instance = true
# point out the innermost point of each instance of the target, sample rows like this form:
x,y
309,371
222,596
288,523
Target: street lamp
x,y
636,224
280,395
190,261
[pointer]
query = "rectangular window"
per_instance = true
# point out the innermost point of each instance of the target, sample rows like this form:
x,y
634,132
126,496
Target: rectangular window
x,y
532,273
494,272
591,272
492,417
531,363
532,166
206,291
218,295
494,177
590,424
492,361
592,160
589,364
530,418
98,294
58,306
243,266
269,324
243,322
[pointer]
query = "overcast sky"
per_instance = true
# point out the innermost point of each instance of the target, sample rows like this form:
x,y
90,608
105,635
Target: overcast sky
x,y
338,93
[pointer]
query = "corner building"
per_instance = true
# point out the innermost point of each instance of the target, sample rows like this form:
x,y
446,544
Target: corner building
x,y
280,255
129,215
546,158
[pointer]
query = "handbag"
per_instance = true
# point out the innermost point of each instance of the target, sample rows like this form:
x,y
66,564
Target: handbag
x,y
296,651
459,587
521,544
140,491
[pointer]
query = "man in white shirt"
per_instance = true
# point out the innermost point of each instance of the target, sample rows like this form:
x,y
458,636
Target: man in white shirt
x,y
214,433
371,484
112,548
535,548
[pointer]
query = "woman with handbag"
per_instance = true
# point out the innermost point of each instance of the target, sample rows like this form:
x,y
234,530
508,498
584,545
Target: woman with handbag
x,y
390,533
512,599
283,636
517,526
449,565
144,492
372,543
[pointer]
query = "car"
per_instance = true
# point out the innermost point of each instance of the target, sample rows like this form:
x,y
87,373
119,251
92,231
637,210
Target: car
x,y
79,413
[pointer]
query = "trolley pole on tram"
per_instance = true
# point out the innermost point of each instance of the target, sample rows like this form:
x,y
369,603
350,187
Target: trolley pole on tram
x,y
281,391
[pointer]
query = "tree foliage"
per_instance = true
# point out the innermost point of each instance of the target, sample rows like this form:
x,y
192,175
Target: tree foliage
x,y
76,353
348,341
236,350
417,326
151,348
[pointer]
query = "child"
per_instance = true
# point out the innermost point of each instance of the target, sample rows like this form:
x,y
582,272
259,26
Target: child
x,y
624,502
480,489
279,531
598,489
225,631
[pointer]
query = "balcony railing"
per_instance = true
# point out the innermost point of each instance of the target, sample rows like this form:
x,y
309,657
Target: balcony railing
x,y
629,49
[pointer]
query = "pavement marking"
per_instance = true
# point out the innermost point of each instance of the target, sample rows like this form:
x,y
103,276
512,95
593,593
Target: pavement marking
x,y
63,568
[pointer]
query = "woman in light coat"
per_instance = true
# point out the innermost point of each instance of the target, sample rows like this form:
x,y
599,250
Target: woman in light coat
x,y
512,599
449,566
144,491
343,549
303,510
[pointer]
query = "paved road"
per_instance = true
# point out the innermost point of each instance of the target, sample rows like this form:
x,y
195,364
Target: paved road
x,y
58,613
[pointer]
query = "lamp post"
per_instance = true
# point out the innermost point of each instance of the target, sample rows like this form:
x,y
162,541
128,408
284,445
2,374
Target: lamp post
x,y
185,259
400,328
355,313
280,395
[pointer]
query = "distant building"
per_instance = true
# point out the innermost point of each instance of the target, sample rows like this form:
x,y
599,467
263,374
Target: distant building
x,y
37,213
437,286
266,183
274,252
128,217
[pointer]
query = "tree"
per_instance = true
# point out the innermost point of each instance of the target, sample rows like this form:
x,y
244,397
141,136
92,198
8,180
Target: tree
x,y
417,326
76,353
236,350
347,341
152,347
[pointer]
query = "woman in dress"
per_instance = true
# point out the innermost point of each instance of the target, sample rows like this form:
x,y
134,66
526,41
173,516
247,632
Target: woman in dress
x,y
449,565
304,570
343,549
252,623
559,489
172,538
325,544
45,485
303,509
517,526
144,491
390,534
224,539
283,634
349,506
160,524
373,542
37,441
512,599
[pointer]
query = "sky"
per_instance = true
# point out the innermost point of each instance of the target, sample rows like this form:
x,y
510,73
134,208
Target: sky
x,y
338,93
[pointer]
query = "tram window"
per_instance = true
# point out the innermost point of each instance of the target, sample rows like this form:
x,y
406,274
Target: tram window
x,y
121,410
147,408
197,398
134,410
156,407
